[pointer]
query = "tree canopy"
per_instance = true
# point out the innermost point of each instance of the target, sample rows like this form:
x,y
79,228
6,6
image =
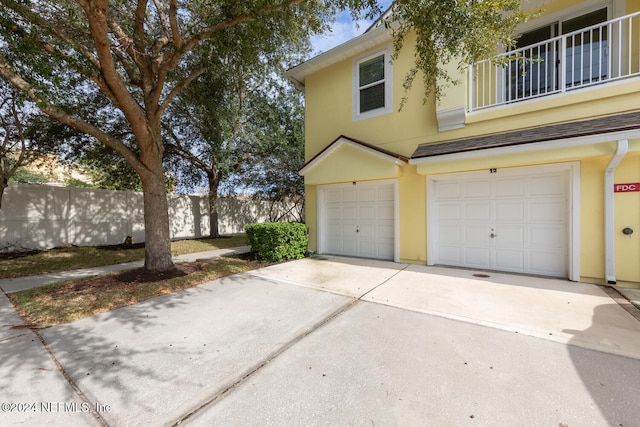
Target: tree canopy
x,y
140,55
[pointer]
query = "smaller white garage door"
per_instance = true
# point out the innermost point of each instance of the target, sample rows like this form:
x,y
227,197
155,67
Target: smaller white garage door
x,y
358,219
511,219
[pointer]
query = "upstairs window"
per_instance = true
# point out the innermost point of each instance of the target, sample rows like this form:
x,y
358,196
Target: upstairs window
x,y
372,86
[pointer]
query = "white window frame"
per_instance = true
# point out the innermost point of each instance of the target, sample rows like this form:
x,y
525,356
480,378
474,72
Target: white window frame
x,y
388,85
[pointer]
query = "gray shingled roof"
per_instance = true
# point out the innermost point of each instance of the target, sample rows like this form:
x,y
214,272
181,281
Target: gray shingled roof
x,y
622,122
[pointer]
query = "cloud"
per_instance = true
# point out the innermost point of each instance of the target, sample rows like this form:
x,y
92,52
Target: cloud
x,y
343,30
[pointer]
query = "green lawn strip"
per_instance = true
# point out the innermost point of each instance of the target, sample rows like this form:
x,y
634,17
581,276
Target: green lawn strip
x,y
65,302
181,247
63,259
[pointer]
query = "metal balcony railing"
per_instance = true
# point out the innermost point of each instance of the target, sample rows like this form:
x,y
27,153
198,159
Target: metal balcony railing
x,y
590,56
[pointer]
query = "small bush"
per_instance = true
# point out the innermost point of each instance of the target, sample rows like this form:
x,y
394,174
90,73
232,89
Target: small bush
x,y
278,241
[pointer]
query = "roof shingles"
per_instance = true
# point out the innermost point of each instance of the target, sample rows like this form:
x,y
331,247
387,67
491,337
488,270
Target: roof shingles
x,y
622,122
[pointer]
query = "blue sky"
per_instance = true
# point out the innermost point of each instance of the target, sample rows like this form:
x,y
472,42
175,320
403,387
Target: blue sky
x,y
343,29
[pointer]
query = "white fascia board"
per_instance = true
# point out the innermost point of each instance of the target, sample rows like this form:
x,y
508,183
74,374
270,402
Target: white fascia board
x,y
339,53
343,141
530,147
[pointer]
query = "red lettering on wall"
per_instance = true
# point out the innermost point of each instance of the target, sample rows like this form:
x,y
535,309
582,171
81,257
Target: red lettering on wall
x,y
626,188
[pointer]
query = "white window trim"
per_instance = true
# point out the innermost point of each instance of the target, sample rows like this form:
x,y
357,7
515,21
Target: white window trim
x,y
388,85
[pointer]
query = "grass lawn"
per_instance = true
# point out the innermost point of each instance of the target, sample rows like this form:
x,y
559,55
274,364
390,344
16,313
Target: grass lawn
x,y
62,259
65,302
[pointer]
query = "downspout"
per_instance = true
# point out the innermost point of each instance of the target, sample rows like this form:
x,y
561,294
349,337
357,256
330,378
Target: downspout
x,y
610,267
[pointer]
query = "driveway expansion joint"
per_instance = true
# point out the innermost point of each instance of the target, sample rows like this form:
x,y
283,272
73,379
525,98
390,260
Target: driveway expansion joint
x,y
258,367
622,301
72,383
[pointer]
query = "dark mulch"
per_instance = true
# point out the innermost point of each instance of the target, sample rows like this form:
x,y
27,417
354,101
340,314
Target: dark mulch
x,y
121,247
16,255
139,275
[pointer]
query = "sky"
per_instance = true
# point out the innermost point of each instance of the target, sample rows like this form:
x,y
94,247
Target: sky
x,y
343,29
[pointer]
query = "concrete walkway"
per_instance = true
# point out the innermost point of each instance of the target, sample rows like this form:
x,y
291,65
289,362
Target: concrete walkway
x,y
335,341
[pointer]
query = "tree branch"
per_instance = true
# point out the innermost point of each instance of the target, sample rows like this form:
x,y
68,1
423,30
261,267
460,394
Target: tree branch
x,y
187,154
175,29
182,86
97,15
138,27
75,122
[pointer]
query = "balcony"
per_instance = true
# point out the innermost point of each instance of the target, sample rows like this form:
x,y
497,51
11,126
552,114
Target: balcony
x,y
595,55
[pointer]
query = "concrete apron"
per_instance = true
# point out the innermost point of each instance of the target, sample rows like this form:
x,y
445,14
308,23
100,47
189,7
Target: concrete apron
x,y
558,310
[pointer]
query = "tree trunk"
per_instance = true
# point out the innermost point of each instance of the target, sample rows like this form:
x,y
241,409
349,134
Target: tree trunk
x,y
214,232
157,248
3,185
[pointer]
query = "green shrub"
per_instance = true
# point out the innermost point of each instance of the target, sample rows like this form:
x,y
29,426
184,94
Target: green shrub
x,y
278,241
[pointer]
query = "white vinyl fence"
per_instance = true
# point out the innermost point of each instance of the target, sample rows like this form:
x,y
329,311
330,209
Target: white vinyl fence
x,y
43,217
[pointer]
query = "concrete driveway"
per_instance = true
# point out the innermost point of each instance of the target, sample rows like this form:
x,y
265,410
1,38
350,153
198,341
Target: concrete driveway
x,y
338,341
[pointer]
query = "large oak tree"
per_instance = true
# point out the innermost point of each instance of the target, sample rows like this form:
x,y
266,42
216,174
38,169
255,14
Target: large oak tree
x,y
141,54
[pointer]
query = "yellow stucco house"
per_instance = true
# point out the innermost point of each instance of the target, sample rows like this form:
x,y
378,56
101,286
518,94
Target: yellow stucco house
x,y
530,172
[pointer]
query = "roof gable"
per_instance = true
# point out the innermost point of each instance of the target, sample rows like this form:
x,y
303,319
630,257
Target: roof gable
x,y
344,141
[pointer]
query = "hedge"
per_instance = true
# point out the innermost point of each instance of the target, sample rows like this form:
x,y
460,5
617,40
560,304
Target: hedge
x,y
278,241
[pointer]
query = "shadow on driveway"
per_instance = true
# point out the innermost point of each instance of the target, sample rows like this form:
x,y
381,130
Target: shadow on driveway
x,y
613,382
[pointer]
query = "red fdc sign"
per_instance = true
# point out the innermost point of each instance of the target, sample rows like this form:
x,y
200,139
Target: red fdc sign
x,y
626,188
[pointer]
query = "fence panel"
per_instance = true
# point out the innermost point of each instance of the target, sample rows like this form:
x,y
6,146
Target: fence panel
x,y
43,217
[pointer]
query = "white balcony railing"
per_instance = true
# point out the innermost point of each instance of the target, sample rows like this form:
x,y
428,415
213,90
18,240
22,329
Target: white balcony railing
x,y
590,56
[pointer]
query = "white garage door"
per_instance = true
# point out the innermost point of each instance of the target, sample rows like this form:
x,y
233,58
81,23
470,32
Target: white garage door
x,y
358,219
511,219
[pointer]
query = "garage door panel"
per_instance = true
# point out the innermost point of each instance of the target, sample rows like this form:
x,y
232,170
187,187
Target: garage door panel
x,y
359,220
477,257
334,213
386,194
451,255
334,229
367,249
510,234
349,196
525,209
477,234
548,185
479,211
366,213
385,213
449,233
510,260
450,211
547,237
551,210
477,189
333,196
366,195
350,213
384,250
367,231
449,190
512,210
510,187
385,231
548,263
334,246
349,247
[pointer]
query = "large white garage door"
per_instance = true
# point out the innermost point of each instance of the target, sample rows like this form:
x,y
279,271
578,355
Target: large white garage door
x,y
358,219
511,219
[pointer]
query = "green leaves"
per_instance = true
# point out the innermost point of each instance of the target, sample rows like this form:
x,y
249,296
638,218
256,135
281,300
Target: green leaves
x,y
278,241
457,31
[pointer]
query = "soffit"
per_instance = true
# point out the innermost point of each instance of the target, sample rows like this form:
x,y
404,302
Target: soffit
x,y
339,53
